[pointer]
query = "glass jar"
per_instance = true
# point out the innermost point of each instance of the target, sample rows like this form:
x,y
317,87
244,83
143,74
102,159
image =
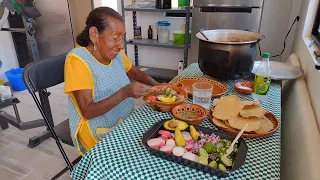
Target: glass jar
x,y
163,31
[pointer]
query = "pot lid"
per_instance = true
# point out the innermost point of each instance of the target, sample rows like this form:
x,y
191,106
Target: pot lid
x,y
281,71
230,36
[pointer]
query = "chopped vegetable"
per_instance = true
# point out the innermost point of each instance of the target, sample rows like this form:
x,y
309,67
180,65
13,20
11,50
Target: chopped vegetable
x,y
209,147
170,142
213,164
202,160
179,139
178,151
222,167
226,161
155,143
167,149
190,156
165,133
203,153
186,135
194,133
189,147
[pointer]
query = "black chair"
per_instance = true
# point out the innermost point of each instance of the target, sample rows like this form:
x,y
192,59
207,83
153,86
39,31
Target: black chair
x,y
41,75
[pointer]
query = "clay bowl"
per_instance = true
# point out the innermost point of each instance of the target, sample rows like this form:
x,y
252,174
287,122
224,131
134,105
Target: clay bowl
x,y
186,83
191,108
164,106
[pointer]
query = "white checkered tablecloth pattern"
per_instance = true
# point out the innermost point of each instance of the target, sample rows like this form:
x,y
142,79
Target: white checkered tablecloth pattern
x,y
121,155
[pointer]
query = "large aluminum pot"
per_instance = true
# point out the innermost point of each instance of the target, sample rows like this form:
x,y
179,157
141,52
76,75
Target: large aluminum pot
x,y
227,54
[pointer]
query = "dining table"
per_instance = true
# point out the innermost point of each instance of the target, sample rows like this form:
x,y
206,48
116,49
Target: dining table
x,y
121,154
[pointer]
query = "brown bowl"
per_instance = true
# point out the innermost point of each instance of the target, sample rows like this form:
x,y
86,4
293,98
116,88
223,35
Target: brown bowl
x,y
186,83
164,106
194,108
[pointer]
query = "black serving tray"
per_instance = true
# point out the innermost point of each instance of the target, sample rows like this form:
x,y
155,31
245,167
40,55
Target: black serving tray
x,y
238,162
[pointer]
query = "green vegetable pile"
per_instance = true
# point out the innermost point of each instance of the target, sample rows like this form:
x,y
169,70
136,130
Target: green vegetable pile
x,y
169,93
214,156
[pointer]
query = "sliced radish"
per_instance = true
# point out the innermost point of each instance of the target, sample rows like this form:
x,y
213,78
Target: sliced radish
x,y
189,147
170,142
167,149
190,156
163,137
186,135
153,98
155,143
163,143
172,135
178,151
165,133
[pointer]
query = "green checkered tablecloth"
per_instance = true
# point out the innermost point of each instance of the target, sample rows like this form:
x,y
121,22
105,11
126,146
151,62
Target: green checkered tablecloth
x,y
121,155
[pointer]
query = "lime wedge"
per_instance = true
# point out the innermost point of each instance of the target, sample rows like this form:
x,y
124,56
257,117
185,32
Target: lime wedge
x,y
202,152
202,160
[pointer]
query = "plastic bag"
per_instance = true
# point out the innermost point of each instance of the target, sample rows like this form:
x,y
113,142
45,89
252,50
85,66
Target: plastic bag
x,y
5,93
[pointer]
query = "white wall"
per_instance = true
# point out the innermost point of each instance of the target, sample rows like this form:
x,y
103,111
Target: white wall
x,y
7,53
277,17
305,54
110,3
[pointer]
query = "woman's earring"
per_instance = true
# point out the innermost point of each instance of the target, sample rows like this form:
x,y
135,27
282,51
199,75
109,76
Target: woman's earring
x,y
94,47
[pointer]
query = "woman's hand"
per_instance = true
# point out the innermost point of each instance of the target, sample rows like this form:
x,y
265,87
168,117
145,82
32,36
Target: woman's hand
x,y
136,90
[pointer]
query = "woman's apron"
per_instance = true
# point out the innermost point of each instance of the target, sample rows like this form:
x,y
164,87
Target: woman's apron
x,y
108,79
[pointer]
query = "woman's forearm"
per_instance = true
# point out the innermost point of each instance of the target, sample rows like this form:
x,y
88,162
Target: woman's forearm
x,y
91,109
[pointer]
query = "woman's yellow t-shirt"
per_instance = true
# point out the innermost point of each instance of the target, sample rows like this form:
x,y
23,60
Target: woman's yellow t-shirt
x,y
78,77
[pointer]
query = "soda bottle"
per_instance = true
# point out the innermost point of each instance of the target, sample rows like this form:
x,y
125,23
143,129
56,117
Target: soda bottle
x,y
262,78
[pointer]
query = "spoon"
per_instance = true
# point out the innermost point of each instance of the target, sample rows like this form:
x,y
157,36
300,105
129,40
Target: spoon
x,y
203,34
229,151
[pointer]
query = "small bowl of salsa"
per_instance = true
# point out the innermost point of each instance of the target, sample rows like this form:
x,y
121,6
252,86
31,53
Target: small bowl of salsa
x,y
190,113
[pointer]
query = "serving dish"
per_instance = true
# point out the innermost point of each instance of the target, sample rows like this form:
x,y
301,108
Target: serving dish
x,y
186,83
239,160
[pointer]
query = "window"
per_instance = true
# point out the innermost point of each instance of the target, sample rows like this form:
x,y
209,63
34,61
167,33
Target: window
x,y
109,3
316,28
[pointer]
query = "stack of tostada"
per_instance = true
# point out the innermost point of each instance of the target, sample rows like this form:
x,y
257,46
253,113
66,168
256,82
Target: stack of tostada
x,y
230,111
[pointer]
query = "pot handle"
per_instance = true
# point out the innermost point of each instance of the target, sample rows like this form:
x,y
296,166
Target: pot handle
x,y
263,37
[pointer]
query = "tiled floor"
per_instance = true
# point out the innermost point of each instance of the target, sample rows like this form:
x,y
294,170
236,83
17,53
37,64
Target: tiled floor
x,y
19,162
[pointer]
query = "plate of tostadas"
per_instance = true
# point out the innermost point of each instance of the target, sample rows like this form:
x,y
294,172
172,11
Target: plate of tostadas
x,y
230,114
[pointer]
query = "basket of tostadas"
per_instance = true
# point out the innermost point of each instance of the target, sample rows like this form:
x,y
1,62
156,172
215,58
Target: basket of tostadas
x,y
230,114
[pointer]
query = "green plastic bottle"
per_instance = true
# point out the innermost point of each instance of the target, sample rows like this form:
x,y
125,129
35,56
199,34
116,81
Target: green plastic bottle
x,y
262,78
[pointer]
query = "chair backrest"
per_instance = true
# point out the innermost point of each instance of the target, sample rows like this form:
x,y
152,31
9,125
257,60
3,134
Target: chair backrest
x,y
37,77
44,74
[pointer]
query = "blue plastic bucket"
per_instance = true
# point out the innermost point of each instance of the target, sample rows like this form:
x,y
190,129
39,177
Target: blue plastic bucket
x,y
15,78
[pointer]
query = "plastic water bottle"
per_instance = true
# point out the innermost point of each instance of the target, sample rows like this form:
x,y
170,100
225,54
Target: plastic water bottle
x,y
262,78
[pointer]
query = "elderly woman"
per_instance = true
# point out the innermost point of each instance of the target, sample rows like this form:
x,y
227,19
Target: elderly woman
x,y
97,79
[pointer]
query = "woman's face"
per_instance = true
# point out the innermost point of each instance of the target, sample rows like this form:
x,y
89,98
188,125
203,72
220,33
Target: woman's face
x,y
110,41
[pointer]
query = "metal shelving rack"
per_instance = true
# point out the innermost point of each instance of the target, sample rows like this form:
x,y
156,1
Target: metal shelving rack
x,y
160,73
